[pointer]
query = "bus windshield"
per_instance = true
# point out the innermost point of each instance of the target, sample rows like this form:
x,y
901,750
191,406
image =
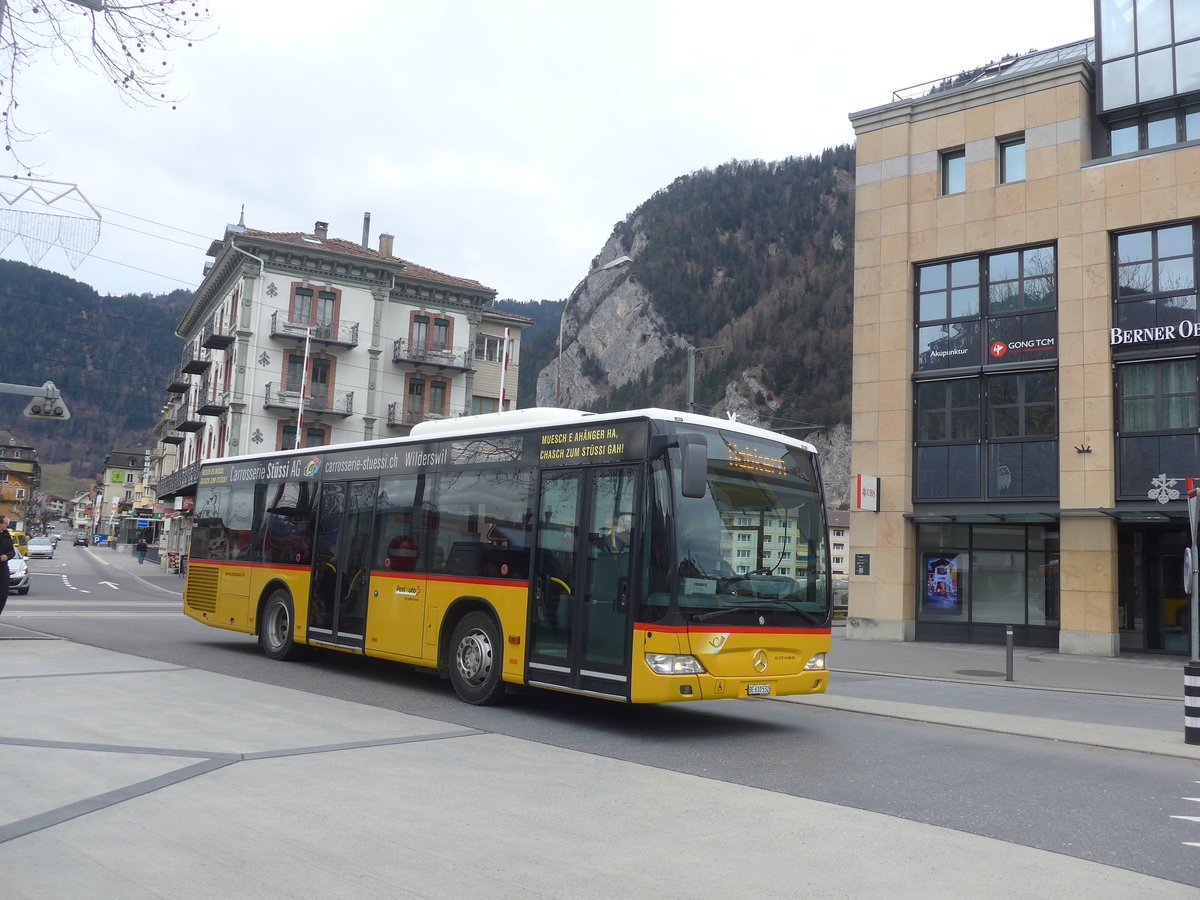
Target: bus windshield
x,y
752,551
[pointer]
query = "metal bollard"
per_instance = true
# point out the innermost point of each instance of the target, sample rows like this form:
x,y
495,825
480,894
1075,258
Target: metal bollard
x,y
1008,652
1191,702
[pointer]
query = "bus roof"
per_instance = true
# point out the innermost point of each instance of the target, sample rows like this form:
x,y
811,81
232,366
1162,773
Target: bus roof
x,y
534,417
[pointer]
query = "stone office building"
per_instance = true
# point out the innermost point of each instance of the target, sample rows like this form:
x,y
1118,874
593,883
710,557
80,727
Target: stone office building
x,y
1026,345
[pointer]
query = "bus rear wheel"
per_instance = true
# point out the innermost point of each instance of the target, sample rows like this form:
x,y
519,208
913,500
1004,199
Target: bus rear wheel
x,y
475,660
276,626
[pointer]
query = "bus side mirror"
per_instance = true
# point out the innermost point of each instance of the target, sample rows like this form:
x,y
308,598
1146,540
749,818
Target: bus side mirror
x,y
694,450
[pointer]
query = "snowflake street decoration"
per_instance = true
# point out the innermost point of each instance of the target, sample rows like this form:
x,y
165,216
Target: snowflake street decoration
x,y
257,437
264,359
1164,489
39,231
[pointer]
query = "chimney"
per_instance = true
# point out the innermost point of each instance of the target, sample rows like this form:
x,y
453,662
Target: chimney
x,y
321,230
366,241
385,244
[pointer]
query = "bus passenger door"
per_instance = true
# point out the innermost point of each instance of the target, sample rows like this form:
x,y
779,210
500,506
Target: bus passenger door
x,y
337,609
582,580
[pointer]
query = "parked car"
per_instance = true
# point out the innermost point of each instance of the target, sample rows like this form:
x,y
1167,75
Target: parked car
x,y
18,574
80,541
40,548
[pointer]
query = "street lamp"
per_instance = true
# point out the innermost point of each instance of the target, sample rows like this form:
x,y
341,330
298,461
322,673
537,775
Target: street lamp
x,y
619,261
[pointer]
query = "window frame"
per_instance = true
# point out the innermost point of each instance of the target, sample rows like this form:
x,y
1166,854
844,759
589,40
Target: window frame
x,y
952,170
1004,147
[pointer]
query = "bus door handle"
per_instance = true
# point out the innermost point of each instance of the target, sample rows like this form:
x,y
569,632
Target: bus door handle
x,y
622,594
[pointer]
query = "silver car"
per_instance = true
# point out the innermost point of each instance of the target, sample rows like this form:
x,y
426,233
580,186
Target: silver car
x,y
18,574
40,548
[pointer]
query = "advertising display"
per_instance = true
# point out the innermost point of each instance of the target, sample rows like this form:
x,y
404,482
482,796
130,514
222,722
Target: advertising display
x,y
943,590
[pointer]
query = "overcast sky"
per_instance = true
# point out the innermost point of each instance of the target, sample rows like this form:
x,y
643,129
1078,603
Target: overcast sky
x,y
498,140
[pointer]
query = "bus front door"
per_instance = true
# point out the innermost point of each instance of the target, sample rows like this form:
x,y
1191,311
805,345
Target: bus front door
x,y
581,585
337,606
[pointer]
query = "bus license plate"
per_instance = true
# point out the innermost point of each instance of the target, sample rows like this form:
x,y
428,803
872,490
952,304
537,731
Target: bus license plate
x,y
758,690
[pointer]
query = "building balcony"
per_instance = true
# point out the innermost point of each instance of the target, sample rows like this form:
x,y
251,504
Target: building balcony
x,y
215,338
398,416
335,403
195,365
187,419
344,334
212,402
173,437
178,383
429,355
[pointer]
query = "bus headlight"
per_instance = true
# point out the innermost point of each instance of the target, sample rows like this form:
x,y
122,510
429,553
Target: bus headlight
x,y
671,664
817,663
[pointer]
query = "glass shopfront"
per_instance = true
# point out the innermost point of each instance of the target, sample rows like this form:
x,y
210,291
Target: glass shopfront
x,y
976,580
1152,601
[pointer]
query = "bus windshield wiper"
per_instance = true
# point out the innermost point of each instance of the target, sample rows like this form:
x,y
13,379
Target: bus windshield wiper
x,y
754,606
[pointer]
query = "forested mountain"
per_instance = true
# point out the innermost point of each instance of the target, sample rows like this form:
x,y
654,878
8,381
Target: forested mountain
x,y
750,267
109,356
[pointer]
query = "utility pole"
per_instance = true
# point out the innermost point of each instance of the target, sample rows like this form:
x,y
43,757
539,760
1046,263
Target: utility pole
x,y
692,353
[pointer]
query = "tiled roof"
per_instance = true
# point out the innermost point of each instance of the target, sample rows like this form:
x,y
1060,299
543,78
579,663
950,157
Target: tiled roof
x,y
350,248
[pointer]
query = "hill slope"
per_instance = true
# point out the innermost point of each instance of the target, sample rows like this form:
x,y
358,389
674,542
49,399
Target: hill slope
x,y
109,356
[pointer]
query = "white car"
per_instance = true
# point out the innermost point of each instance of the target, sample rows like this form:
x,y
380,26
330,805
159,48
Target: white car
x,y
40,547
18,574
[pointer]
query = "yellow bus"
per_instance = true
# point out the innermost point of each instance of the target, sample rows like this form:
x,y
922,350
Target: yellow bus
x,y
644,556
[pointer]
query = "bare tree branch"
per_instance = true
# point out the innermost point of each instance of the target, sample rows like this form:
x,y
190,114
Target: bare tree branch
x,y
127,43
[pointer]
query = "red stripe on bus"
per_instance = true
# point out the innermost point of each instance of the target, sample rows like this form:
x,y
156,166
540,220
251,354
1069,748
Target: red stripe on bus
x,y
731,629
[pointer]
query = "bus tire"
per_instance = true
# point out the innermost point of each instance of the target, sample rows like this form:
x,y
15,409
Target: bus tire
x,y
276,626
475,660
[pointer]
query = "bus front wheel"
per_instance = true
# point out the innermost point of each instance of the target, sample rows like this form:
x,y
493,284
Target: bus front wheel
x,y
276,626
476,660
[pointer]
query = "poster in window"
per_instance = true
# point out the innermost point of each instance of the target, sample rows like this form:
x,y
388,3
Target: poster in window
x,y
943,589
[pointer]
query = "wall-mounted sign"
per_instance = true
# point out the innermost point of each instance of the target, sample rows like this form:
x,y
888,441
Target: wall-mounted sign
x,y
1161,334
866,489
862,563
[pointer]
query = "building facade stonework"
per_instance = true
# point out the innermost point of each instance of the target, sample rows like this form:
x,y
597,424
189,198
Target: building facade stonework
x,y
1026,347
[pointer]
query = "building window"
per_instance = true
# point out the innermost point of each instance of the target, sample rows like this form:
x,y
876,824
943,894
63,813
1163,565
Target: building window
x,y
294,379
1022,435
1011,296
313,308
947,421
420,332
1151,132
441,334
481,405
314,436
1147,51
954,171
994,574
319,385
1158,410
487,347
1156,284
1012,160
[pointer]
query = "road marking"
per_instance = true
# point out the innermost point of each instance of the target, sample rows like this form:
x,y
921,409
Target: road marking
x,y
110,584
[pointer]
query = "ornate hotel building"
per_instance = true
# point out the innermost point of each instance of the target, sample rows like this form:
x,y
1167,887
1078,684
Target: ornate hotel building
x,y
1026,346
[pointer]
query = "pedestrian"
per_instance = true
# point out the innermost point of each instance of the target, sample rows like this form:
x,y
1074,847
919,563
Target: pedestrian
x,y
141,550
6,553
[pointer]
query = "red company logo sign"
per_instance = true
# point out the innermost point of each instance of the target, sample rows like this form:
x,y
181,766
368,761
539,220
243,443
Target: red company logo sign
x,y
1000,348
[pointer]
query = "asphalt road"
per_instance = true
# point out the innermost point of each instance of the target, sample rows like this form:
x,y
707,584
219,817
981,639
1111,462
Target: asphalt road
x,y
1114,807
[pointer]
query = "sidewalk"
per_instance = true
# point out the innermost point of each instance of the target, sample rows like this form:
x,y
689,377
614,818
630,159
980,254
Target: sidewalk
x,y
127,777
